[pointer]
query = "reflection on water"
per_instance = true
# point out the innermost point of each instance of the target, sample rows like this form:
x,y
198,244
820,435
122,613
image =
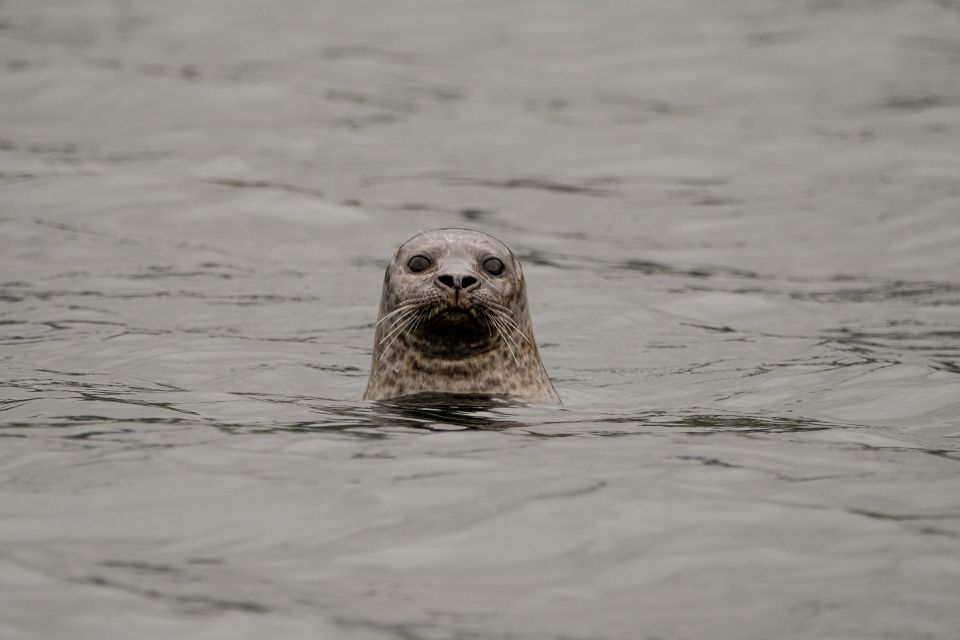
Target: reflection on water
x,y
445,411
744,280
426,412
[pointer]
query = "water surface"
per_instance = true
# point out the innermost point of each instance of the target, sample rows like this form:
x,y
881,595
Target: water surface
x,y
740,231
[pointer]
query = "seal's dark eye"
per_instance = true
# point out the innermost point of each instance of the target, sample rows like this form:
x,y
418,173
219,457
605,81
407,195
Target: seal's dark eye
x,y
419,263
493,266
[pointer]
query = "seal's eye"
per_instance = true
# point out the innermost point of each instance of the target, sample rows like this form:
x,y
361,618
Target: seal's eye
x,y
493,266
419,263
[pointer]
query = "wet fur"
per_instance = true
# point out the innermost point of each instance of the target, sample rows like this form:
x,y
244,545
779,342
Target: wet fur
x,y
488,347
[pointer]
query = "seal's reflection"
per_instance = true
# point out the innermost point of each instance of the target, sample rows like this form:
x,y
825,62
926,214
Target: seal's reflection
x,y
441,411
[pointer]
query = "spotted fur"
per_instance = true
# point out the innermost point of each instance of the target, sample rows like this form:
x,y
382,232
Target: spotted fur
x,y
432,338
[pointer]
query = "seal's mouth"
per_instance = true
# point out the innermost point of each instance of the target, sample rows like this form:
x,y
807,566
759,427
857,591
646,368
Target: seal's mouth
x,y
455,316
450,312
456,327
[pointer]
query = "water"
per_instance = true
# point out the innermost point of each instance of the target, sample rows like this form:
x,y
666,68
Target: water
x,y
739,224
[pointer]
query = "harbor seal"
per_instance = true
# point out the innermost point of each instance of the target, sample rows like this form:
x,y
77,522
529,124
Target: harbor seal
x,y
454,319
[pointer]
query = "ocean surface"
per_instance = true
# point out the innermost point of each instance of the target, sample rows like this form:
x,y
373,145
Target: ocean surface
x,y
740,227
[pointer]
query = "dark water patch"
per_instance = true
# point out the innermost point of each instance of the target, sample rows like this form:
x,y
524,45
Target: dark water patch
x,y
699,272
19,175
361,51
88,435
583,187
342,369
258,299
648,267
133,156
193,603
407,99
428,630
46,385
67,421
240,183
949,454
540,184
33,332
185,71
498,417
923,293
919,103
912,521
901,517
205,270
42,148
352,97
710,462
710,328
633,265
651,268
941,346
773,37
439,411
20,295
19,65
418,206
715,201
693,181
543,259
61,325
473,215
84,231
711,423
165,406
693,424
7,405
357,123
948,46
953,366
138,566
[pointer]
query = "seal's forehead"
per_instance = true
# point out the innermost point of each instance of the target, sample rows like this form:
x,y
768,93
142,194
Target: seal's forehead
x,y
453,241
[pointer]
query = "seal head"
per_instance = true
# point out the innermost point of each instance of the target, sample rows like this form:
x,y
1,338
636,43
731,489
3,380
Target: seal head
x,y
454,319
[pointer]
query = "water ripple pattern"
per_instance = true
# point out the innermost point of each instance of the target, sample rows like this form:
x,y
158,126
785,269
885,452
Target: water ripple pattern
x,y
740,226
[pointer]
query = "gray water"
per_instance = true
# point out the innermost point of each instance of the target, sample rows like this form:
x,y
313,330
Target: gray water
x,y
740,226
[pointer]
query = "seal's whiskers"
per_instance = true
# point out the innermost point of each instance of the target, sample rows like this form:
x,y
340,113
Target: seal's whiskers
x,y
509,322
454,318
399,330
403,307
400,323
511,345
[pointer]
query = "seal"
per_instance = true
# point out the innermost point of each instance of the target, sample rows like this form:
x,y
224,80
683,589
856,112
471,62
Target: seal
x,y
454,319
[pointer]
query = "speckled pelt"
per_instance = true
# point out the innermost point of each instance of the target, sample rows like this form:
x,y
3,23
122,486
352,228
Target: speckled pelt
x,y
454,319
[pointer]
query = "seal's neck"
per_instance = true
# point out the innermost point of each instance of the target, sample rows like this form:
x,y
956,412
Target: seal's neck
x,y
505,368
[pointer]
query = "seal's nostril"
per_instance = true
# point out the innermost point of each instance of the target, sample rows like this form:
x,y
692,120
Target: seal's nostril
x,y
447,281
457,282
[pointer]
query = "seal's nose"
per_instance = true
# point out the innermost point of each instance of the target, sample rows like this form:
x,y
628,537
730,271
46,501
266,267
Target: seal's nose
x,y
457,282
